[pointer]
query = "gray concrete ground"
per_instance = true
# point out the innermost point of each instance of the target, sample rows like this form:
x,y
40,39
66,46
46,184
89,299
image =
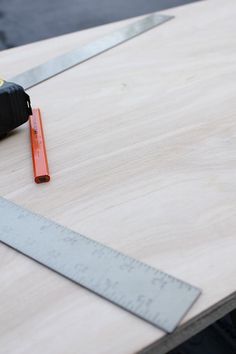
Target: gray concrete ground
x,y
25,21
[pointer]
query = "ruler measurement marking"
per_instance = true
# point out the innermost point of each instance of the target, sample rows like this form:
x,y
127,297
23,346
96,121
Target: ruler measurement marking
x,y
148,293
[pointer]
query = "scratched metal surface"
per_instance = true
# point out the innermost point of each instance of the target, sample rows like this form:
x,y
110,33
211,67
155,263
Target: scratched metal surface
x,y
77,56
148,293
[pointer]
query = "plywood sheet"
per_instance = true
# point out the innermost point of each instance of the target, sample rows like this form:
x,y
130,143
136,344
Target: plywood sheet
x,y
141,144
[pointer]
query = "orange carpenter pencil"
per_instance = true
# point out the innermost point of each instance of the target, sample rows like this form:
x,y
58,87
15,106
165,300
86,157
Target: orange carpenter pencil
x,y
39,154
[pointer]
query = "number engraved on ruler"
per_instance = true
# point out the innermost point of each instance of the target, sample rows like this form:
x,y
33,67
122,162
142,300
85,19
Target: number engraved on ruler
x,y
153,295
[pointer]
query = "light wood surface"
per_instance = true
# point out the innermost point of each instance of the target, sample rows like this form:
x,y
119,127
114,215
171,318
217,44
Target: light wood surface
x,y
142,150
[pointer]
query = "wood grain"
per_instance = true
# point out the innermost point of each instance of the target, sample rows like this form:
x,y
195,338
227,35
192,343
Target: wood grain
x,y
141,145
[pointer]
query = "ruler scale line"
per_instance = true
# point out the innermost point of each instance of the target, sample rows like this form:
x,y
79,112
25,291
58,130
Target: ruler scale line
x,y
144,291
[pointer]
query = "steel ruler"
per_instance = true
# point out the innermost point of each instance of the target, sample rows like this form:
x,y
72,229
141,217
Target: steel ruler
x,y
140,289
148,293
66,61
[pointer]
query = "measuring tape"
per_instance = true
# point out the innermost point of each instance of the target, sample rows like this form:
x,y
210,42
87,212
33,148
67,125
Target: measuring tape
x,y
138,288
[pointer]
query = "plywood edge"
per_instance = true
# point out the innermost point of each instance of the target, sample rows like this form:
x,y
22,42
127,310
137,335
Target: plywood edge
x,y
192,327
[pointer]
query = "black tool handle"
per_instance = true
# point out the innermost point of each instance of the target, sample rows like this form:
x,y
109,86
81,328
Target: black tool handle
x,y
15,107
